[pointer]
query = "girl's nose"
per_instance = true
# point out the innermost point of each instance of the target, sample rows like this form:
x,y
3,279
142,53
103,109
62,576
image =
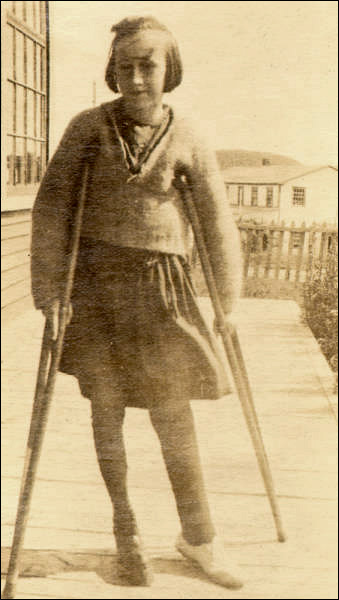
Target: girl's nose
x,y
137,76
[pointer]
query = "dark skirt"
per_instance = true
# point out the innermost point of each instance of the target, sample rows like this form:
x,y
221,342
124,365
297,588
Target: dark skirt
x,y
136,321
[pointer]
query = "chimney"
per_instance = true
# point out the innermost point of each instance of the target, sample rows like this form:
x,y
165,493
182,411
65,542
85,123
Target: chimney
x,y
266,161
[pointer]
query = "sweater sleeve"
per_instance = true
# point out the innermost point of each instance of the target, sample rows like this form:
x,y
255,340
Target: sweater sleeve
x,y
53,211
219,230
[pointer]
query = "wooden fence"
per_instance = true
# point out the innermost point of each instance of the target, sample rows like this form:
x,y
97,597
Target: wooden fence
x,y
283,252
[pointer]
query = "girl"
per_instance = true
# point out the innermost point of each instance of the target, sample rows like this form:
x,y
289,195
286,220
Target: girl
x,y
136,336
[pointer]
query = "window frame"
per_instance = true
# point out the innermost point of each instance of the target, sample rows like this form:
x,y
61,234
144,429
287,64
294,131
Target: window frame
x,y
32,89
298,202
254,196
269,196
240,195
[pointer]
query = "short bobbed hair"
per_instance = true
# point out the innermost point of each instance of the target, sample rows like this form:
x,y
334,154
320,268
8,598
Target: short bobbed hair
x,y
133,25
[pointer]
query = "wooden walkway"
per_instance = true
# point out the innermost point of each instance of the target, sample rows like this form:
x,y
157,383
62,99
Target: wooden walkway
x,y
69,549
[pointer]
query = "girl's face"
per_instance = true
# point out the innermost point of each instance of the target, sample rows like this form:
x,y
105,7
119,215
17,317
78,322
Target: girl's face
x,y
140,69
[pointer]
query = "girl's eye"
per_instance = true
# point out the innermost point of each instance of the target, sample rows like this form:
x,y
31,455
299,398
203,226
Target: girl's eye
x,y
125,67
148,66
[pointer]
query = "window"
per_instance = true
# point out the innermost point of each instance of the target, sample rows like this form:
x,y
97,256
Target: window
x,y
26,90
254,195
240,195
298,197
269,197
296,239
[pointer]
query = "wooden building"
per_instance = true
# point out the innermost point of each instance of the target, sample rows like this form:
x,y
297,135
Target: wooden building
x,y
24,138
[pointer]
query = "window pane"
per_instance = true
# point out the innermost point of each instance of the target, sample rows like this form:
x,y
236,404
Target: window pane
x,y
8,52
42,75
9,160
38,115
19,62
43,117
29,13
18,9
31,162
30,62
30,113
20,110
10,109
42,17
38,67
40,161
24,10
19,162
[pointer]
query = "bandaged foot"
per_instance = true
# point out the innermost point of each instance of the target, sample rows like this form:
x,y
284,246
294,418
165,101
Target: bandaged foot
x,y
212,560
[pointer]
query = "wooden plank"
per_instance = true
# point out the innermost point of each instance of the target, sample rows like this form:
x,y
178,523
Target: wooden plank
x,y
290,251
279,252
15,230
14,260
258,253
300,256
15,216
323,251
14,276
15,293
247,256
13,246
269,252
21,306
310,257
8,222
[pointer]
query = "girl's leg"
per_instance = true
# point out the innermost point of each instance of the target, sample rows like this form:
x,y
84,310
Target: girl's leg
x,y
173,421
108,413
107,421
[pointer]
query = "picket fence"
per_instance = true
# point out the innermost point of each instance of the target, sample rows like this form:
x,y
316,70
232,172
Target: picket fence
x,y
286,252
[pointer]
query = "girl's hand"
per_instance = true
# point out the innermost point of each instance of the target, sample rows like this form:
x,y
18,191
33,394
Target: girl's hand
x,y
229,325
52,313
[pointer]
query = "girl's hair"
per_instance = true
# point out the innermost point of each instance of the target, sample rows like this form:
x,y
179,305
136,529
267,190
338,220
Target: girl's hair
x,y
131,26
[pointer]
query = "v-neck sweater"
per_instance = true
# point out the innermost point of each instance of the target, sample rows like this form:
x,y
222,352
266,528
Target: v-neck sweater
x,y
137,210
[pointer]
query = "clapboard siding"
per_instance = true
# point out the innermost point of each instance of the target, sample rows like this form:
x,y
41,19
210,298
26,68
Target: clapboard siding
x,y
15,230
15,267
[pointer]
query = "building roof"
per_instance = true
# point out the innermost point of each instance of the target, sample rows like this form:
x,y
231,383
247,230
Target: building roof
x,y
269,174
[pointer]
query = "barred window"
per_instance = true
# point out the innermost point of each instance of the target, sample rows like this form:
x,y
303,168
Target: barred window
x,y
254,195
269,197
298,197
26,95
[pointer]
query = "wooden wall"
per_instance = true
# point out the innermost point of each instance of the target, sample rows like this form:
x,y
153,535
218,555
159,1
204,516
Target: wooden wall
x,y
15,262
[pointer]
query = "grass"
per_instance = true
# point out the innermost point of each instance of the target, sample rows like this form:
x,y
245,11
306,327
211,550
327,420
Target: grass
x,y
320,307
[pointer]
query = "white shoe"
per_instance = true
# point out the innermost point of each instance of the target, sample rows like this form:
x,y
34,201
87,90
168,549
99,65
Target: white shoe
x,y
212,560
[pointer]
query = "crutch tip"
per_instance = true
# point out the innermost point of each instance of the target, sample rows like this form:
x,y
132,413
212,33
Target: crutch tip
x,y
9,591
282,537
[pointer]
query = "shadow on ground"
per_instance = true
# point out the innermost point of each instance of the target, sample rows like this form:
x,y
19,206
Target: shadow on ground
x,y
46,563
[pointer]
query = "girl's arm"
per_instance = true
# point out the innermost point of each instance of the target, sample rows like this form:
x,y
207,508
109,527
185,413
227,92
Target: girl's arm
x,y
220,232
53,212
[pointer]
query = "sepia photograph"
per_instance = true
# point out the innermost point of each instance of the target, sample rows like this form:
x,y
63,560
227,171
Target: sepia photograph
x,y
169,299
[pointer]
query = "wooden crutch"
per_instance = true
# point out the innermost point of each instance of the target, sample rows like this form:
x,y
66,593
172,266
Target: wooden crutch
x,y
48,366
232,347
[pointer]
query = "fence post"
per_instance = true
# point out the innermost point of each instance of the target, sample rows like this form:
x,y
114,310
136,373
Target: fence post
x,y
311,249
290,250
279,252
269,251
300,253
247,253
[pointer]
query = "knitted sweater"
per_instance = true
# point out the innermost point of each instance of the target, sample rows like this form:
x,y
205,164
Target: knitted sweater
x,y
140,210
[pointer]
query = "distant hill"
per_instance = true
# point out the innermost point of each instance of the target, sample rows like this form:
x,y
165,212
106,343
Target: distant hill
x,y
247,158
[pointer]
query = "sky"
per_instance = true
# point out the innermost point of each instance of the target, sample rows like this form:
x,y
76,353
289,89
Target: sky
x,y
257,75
